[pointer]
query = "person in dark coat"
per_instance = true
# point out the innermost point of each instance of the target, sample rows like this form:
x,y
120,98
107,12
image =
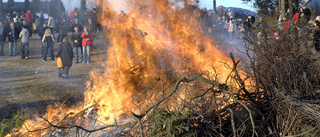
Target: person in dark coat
x,y
307,12
41,31
13,34
47,41
41,18
77,24
2,38
66,54
63,32
316,35
247,25
77,44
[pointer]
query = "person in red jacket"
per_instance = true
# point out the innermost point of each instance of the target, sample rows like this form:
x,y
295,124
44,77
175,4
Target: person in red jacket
x,y
286,24
87,38
29,17
297,15
75,11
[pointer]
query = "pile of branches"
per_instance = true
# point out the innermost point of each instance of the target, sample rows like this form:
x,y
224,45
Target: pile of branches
x,y
282,99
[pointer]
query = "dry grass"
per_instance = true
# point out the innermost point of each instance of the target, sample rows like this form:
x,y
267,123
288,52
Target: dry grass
x,y
30,85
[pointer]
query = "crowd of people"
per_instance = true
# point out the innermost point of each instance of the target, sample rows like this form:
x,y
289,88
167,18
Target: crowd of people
x,y
84,28
223,23
82,25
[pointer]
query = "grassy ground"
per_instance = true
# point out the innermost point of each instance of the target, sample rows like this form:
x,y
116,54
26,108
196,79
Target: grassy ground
x,y
30,85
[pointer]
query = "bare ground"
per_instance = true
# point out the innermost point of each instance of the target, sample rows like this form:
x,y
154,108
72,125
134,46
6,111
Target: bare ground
x,y
27,86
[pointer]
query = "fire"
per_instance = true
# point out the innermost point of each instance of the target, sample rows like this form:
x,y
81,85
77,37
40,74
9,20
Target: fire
x,y
155,42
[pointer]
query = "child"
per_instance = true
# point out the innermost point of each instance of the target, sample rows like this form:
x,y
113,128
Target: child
x,y
87,39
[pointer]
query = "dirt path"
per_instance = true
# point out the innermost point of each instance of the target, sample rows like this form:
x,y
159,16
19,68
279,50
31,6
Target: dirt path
x,y
30,85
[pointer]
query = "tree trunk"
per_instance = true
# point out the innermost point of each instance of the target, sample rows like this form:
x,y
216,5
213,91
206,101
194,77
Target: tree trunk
x,y
34,5
290,5
283,7
10,3
83,5
279,5
296,3
27,4
1,11
214,5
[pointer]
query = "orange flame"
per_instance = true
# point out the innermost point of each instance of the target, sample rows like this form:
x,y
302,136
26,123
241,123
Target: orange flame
x,y
156,41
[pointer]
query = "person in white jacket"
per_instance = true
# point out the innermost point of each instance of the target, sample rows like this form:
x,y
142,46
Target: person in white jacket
x,y
231,28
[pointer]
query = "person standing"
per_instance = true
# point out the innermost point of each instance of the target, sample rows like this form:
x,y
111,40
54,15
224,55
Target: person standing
x,y
41,18
76,24
41,31
29,17
24,48
75,11
86,44
221,11
77,47
47,41
231,28
66,54
289,14
246,26
230,13
63,32
13,35
261,26
307,12
280,19
64,21
92,27
2,38
84,18
28,27
316,35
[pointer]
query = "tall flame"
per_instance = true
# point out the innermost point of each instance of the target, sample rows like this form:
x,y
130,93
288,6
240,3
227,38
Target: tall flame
x,y
155,42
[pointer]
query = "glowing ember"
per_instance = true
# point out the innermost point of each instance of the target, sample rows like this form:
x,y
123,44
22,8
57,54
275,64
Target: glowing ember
x,y
156,42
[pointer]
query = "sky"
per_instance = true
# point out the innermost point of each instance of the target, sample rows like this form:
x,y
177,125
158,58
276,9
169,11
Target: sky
x,y
226,3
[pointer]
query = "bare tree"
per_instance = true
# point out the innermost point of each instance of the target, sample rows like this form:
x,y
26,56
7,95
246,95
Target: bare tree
x,y
1,10
27,4
290,5
10,3
83,5
214,5
283,7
